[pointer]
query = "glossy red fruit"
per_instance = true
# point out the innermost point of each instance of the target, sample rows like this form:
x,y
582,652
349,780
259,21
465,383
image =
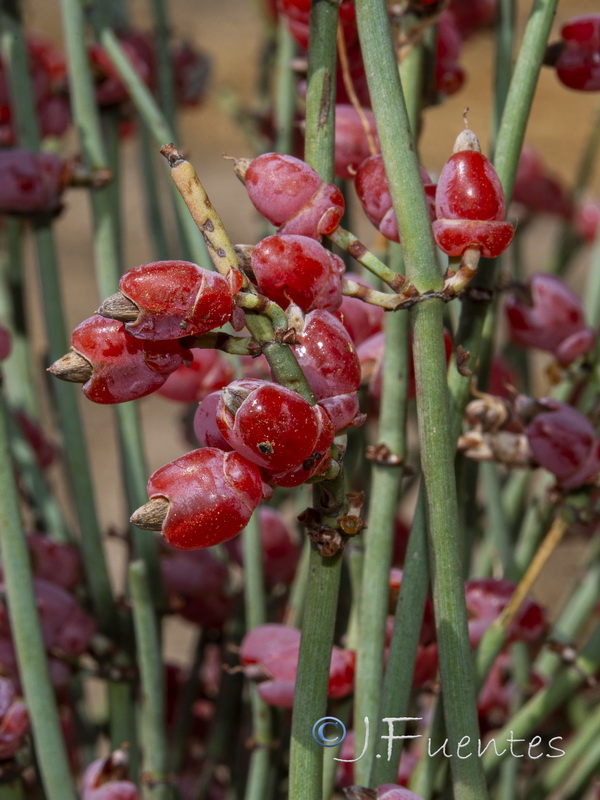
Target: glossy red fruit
x,y
291,194
469,203
351,142
330,364
206,429
207,373
564,442
14,719
297,269
104,779
123,367
551,315
578,66
270,425
538,189
316,463
486,598
211,497
175,299
271,651
30,183
374,194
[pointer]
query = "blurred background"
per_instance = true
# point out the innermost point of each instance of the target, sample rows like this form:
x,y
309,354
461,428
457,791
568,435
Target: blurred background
x,y
231,33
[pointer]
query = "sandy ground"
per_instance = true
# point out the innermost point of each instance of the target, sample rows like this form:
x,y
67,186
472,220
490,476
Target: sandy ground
x,y
229,31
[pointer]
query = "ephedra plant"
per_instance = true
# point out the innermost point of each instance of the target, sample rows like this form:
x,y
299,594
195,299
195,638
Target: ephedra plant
x,y
373,480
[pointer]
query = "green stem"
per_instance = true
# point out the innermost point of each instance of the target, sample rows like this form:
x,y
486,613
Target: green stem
x,y
310,699
27,634
397,684
123,732
152,194
66,402
107,262
533,713
155,120
348,242
520,94
261,765
379,538
505,35
285,89
154,742
437,452
166,83
496,524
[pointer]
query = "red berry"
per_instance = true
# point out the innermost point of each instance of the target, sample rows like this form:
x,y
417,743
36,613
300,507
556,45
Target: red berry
x,y
330,364
469,203
206,429
564,442
211,497
207,373
578,66
176,299
551,315
471,16
297,269
374,194
272,650
291,194
123,366
271,425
